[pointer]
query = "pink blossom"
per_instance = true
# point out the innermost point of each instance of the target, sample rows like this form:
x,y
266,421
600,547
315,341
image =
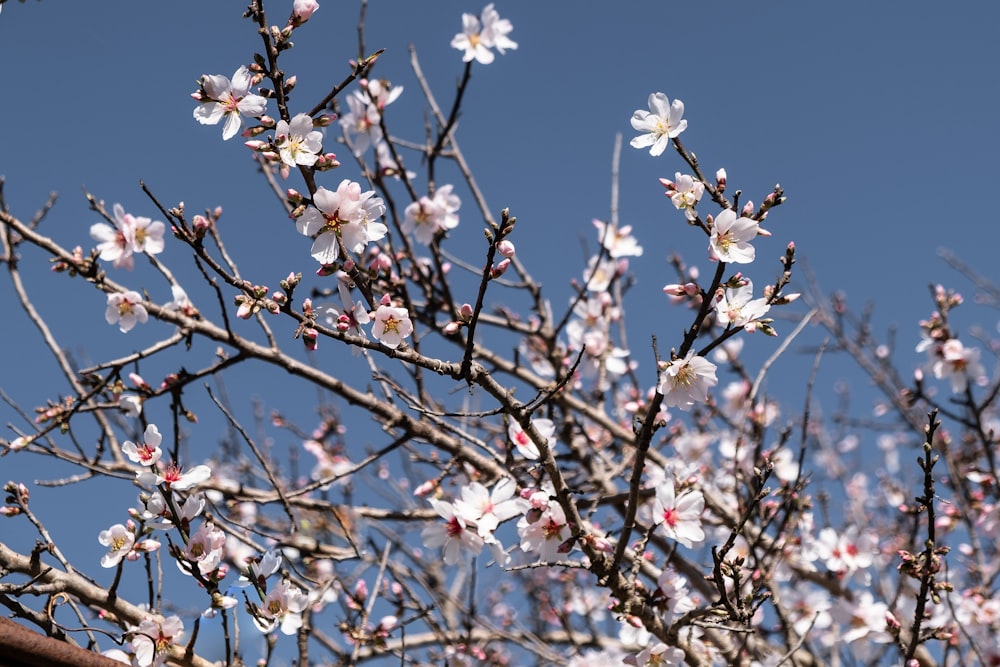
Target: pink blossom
x,y
126,310
679,516
148,452
392,325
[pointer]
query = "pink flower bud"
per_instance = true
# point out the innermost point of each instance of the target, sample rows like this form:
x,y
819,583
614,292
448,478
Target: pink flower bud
x,y
720,180
361,590
311,339
245,310
465,311
452,328
747,209
255,144
386,300
302,10
326,270
138,382
506,248
307,307
499,269
425,488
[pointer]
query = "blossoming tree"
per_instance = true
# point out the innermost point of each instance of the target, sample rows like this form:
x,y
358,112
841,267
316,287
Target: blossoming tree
x,y
536,489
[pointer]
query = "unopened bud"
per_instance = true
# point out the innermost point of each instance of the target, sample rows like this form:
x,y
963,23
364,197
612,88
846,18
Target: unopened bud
x,y
452,328
506,248
720,180
499,269
311,339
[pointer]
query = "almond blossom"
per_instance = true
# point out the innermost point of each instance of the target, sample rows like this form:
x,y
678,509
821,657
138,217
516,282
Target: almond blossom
x,y
297,142
735,307
428,216
151,640
523,442
222,99
392,325
119,539
488,509
455,536
126,310
545,533
686,381
116,244
172,477
661,123
148,452
685,191
282,608
679,517
731,236
481,34
346,216
204,549
956,363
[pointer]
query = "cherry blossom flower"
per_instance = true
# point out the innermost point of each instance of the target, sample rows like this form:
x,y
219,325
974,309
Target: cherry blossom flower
x,y
148,452
455,536
229,100
126,310
282,607
686,381
151,641
297,142
116,244
679,516
525,446
120,540
661,123
731,236
736,308
392,325
481,34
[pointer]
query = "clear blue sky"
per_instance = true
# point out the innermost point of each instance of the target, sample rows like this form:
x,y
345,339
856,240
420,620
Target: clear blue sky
x,y
878,119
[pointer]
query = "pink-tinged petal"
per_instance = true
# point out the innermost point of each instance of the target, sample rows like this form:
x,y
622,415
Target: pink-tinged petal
x,y
310,222
325,249
326,201
209,114
215,85
232,126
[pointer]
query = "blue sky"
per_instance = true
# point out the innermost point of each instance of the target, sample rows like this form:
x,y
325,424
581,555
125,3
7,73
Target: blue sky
x,y
878,119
